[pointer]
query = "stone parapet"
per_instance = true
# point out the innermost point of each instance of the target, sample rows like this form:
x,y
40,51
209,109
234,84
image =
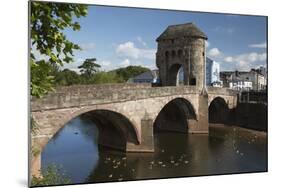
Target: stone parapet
x,y
77,96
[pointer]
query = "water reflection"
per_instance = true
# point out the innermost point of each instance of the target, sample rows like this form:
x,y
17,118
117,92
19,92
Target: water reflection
x,y
224,150
75,149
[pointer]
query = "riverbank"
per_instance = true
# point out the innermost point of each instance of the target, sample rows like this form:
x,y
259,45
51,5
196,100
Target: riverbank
x,y
243,129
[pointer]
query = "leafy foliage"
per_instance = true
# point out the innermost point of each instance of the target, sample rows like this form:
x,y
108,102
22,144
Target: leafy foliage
x,y
41,79
48,20
107,77
93,76
89,67
67,77
130,71
52,175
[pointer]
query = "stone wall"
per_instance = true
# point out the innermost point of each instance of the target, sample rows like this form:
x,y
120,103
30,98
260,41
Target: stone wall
x,y
77,96
188,53
230,96
251,115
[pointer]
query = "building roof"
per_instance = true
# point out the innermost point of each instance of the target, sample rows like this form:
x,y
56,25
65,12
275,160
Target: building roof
x,y
147,75
182,30
241,72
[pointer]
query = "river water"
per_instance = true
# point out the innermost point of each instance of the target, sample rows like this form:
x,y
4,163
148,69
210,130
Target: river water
x,y
227,149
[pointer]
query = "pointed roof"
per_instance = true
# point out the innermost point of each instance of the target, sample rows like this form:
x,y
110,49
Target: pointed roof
x,y
182,30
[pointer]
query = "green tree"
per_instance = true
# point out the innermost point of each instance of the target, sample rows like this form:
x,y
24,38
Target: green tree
x,y
106,77
41,79
89,67
47,22
67,77
130,71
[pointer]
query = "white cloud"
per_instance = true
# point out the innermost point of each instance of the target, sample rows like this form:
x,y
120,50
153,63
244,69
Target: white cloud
x,y
246,61
242,65
128,49
214,52
260,45
251,57
148,54
207,44
242,62
228,59
76,70
80,60
141,41
260,65
73,65
87,46
125,63
104,63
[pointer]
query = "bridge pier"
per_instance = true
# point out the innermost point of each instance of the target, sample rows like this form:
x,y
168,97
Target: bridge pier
x,y
201,125
147,138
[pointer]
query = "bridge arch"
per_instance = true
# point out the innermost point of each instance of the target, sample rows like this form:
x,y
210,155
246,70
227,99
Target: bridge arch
x,y
174,74
115,128
174,116
218,110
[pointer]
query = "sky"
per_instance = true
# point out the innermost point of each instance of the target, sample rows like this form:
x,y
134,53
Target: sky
x,y
119,37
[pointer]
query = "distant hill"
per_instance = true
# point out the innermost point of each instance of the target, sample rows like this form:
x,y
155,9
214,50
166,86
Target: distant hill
x,y
129,72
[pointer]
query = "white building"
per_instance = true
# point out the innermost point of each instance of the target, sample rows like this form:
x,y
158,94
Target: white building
x,y
241,85
241,80
213,73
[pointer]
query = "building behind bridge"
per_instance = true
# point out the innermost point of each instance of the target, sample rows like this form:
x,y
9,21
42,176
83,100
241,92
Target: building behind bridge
x,y
244,80
213,73
151,76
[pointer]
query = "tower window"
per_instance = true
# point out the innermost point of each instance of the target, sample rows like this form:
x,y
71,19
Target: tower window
x,y
167,54
179,53
173,54
192,82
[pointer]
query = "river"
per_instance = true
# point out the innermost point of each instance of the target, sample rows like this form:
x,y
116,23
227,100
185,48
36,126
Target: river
x,y
226,150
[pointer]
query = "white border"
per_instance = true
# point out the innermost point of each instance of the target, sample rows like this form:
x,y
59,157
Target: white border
x,y
14,91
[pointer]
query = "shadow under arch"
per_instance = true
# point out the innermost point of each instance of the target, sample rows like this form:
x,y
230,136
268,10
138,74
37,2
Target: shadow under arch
x,y
114,128
218,111
173,74
174,116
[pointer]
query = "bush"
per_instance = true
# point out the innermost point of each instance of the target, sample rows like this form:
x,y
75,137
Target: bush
x,y
52,175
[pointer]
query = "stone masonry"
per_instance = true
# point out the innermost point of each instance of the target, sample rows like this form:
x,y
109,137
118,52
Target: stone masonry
x,y
179,46
138,104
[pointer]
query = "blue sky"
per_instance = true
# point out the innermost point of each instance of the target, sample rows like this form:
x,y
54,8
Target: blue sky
x,y
119,37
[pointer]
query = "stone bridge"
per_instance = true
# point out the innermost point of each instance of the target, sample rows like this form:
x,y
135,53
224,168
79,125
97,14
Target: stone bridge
x,y
127,114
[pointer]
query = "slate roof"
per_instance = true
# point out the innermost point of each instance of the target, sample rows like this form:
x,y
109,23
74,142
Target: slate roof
x,y
182,30
147,75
